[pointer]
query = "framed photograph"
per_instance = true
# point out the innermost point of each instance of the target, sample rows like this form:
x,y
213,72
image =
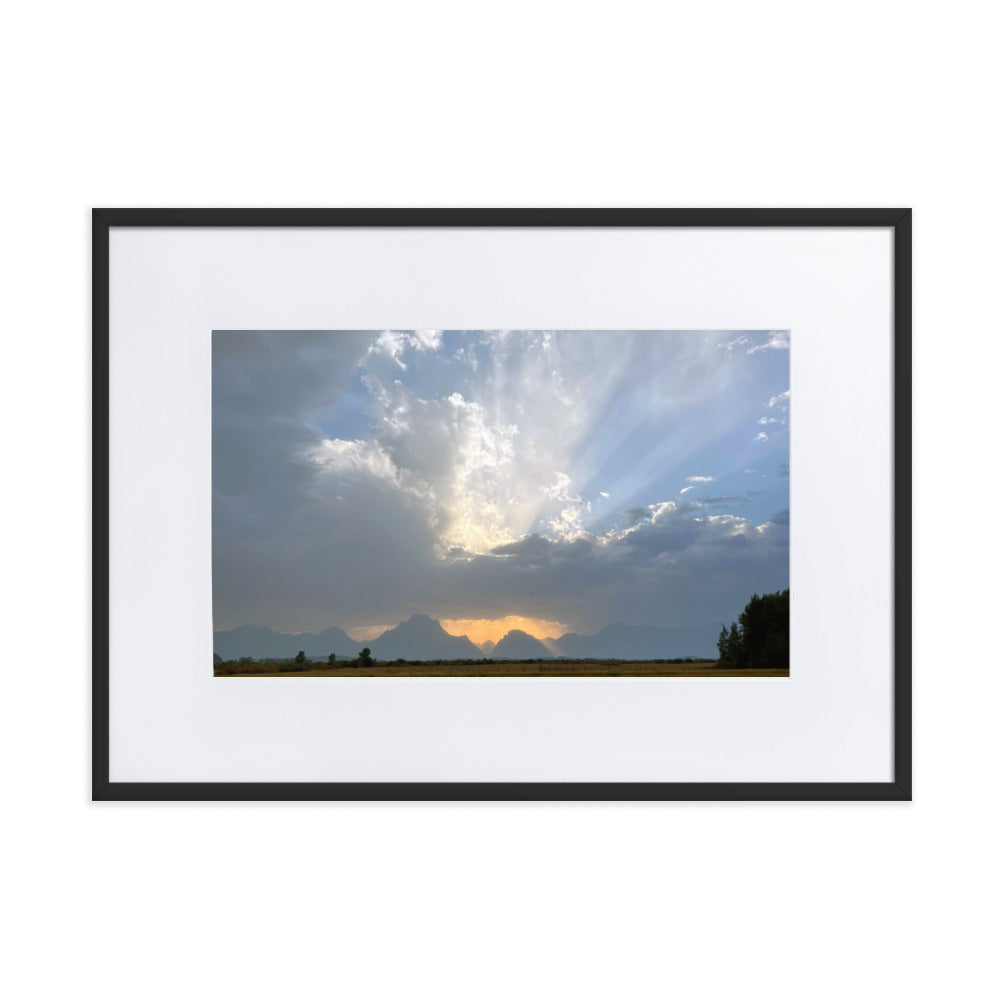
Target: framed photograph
x,y
539,504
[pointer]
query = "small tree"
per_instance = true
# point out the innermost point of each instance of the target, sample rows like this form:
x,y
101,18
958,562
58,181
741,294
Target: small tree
x,y
365,658
731,646
723,645
300,656
736,650
332,659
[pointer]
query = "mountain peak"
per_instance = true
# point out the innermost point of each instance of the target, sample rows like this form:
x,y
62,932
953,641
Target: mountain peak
x,y
421,637
517,633
520,645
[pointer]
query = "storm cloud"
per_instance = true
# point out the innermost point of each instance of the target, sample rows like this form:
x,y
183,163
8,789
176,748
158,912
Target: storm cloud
x,y
360,477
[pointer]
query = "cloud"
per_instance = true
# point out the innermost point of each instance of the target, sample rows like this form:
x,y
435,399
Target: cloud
x,y
635,514
669,564
529,545
358,458
685,490
426,340
485,455
778,340
754,343
447,455
559,489
707,501
779,423
659,511
393,344
361,477
486,458
288,534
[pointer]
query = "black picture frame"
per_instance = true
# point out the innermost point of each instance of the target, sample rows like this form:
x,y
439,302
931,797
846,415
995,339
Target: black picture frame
x,y
899,220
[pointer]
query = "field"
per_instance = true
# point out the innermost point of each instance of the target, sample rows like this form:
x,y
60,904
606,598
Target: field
x,y
547,668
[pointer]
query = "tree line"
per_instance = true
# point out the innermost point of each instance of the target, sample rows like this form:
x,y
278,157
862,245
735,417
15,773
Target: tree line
x,y
364,659
760,638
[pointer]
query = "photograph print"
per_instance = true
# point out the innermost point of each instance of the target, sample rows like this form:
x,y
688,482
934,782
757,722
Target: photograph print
x,y
500,503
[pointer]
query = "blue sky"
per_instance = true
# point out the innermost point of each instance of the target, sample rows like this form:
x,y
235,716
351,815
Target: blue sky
x,y
566,478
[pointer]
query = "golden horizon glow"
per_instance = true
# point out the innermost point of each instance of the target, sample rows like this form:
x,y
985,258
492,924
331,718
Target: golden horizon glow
x,y
477,629
365,633
494,629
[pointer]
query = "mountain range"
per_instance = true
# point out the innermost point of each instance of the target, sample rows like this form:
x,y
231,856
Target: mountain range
x,y
641,642
421,637
264,643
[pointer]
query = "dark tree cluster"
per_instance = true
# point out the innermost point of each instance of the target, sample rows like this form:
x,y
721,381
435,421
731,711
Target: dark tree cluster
x,y
760,639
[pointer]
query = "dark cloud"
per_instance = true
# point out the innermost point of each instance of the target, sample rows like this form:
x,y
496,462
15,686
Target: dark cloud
x,y
674,571
301,544
633,515
531,545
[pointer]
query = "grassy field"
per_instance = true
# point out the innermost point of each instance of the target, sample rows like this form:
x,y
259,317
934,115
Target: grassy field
x,y
549,668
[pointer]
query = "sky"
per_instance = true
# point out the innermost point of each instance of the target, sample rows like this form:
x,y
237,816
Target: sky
x,y
553,481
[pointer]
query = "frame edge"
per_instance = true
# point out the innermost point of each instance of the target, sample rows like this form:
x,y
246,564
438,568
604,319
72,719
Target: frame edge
x,y
898,789
903,502
100,502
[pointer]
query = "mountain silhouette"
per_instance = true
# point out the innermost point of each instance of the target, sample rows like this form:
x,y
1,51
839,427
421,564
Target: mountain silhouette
x,y
421,637
641,642
519,645
487,646
262,643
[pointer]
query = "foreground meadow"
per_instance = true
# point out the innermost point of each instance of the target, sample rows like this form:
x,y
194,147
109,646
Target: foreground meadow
x,y
547,668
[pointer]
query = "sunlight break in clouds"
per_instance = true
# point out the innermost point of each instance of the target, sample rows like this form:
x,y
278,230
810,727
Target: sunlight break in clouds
x,y
360,477
481,630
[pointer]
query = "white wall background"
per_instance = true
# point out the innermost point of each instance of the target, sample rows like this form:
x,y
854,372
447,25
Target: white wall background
x,y
531,104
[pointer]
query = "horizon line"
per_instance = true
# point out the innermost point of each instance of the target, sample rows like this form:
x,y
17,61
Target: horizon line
x,y
437,621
